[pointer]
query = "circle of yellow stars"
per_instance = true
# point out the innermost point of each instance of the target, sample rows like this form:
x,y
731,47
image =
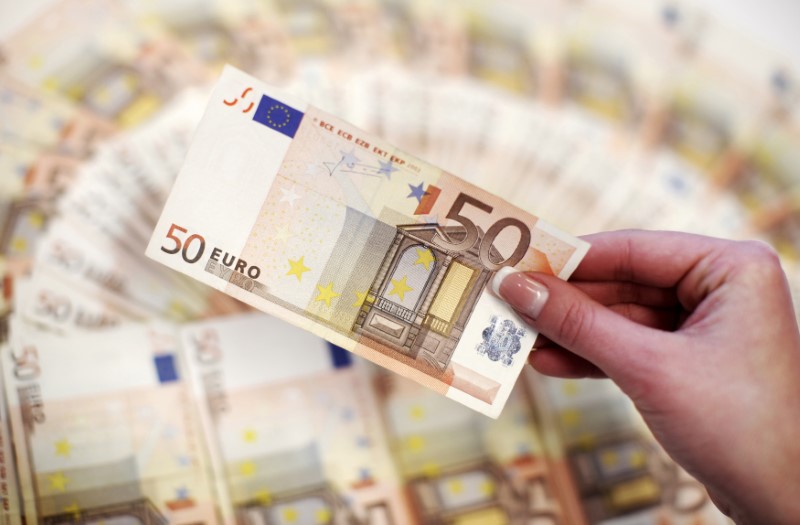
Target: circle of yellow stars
x,y
286,114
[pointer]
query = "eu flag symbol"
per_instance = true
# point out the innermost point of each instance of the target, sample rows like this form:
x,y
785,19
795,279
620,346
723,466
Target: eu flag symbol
x,y
165,368
278,116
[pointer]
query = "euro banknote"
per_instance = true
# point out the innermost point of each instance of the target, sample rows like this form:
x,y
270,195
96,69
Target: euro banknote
x,y
615,469
316,222
9,492
93,444
293,431
460,467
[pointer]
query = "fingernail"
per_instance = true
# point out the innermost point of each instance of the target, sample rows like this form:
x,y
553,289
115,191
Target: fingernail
x,y
524,294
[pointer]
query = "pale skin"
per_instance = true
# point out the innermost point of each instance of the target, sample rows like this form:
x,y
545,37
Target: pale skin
x,y
702,335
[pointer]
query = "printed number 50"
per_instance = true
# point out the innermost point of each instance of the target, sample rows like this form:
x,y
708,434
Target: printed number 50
x,y
183,247
486,243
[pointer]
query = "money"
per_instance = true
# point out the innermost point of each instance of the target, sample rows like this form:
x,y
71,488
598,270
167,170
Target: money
x,y
9,492
482,471
610,460
58,304
47,120
305,217
115,436
293,431
111,66
597,115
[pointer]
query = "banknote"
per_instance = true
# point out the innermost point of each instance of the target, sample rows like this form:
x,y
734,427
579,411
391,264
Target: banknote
x,y
616,470
120,71
404,123
10,513
48,120
502,50
305,217
293,430
28,169
75,257
47,299
456,106
121,190
768,187
24,220
114,439
427,37
457,465
245,33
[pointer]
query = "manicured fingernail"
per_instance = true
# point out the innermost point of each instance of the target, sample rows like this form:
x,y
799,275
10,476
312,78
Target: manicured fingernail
x,y
520,291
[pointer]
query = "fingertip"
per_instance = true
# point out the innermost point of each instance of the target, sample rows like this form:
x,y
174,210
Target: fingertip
x,y
522,291
499,277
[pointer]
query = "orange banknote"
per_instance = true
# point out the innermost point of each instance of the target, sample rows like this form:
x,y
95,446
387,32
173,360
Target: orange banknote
x,y
323,225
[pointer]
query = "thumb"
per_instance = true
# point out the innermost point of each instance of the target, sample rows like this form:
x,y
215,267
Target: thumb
x,y
618,346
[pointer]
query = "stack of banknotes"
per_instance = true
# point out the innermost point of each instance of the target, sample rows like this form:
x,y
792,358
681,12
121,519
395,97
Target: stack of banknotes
x,y
135,393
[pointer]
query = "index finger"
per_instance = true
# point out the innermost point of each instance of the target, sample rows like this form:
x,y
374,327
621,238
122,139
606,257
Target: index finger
x,y
654,258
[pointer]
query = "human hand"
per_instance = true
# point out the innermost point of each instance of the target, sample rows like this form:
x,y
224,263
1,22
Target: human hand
x,y
702,335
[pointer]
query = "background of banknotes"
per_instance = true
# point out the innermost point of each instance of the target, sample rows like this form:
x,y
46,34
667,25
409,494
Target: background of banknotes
x,y
150,388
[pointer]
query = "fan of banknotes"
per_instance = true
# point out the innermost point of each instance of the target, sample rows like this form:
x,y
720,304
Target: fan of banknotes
x,y
136,394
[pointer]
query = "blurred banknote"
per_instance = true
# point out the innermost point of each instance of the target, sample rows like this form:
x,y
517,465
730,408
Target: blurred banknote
x,y
93,444
293,431
308,218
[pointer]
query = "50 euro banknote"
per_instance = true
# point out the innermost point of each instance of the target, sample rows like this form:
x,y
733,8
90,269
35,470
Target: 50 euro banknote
x,y
323,225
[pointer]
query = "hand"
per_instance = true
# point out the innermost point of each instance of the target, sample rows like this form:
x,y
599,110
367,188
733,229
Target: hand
x,y
702,335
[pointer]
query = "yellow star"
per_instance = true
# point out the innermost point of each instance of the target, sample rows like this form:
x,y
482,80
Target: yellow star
x,y
360,297
609,459
75,93
487,488
248,468
431,470
73,509
323,516
250,436
570,387
456,487
63,448
177,308
289,515
415,443
417,413
58,481
638,459
400,287
297,268
50,84
570,417
19,244
264,497
424,256
326,293
36,220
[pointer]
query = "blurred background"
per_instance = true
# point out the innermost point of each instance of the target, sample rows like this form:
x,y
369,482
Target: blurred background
x,y
134,395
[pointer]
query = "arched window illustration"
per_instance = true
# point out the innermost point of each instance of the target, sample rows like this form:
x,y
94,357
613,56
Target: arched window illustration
x,y
422,296
410,277
450,298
